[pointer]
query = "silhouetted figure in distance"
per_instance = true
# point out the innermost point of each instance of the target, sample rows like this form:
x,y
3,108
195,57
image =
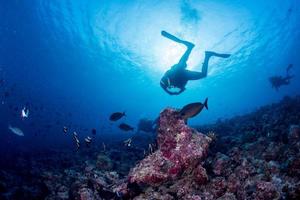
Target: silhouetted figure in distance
x,y
278,81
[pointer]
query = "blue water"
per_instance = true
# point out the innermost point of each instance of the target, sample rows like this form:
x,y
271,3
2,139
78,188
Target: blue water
x,y
82,60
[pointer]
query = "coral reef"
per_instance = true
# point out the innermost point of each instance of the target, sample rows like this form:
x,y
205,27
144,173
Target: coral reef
x,y
256,156
180,149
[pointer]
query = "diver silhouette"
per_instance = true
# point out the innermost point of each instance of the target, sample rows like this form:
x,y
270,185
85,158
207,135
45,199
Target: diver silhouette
x,y
278,81
178,76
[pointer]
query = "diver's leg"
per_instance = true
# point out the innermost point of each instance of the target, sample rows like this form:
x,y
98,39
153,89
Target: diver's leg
x,y
184,58
208,54
171,37
205,64
192,75
176,39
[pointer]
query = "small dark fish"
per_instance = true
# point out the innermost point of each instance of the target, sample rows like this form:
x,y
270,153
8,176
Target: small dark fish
x,y
125,127
116,116
88,141
75,136
128,142
94,131
24,113
65,129
193,109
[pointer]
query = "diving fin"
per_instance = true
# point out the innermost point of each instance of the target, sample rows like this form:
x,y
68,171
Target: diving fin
x,y
171,37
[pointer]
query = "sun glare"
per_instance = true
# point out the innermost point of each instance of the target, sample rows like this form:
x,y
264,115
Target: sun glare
x,y
169,54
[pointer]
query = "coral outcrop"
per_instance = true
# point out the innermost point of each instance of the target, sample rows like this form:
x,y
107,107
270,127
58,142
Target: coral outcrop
x,y
180,149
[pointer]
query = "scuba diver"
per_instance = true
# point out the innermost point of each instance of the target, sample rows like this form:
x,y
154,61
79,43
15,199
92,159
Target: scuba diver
x,y
278,81
176,78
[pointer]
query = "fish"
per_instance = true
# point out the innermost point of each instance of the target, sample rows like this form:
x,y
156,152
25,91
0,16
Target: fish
x,y
128,142
75,136
192,109
16,130
94,131
116,116
65,129
25,113
126,127
150,148
88,140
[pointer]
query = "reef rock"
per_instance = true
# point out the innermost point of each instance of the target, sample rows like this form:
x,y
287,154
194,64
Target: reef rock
x,y
294,133
221,164
180,149
266,190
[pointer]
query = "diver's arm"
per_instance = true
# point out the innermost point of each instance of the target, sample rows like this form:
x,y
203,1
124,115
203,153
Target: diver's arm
x,y
174,93
165,89
169,92
163,85
181,90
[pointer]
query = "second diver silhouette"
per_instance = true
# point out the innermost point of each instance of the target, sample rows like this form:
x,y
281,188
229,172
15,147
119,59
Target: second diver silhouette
x,y
176,78
278,81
